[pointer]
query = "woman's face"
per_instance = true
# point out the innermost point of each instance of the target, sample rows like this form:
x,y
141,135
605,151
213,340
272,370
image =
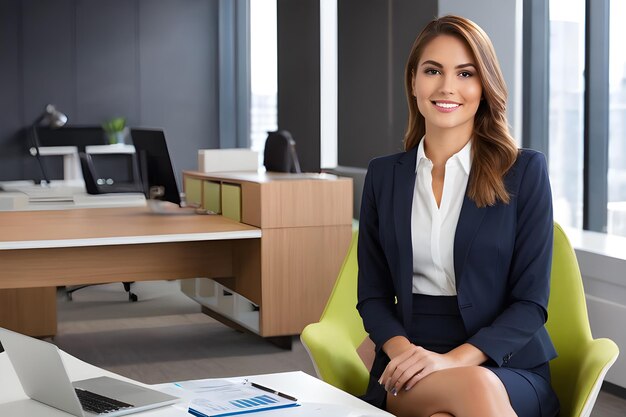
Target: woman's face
x,y
446,85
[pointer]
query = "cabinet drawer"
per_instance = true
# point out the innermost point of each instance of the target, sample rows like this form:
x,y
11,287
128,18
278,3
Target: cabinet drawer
x,y
193,191
212,196
231,201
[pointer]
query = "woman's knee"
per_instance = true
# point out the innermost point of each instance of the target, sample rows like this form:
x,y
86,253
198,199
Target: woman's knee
x,y
454,390
482,381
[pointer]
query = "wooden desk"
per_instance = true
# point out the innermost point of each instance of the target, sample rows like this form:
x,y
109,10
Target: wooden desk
x,y
306,222
269,268
91,246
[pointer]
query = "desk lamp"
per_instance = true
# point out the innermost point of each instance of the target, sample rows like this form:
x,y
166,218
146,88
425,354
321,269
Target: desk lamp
x,y
50,117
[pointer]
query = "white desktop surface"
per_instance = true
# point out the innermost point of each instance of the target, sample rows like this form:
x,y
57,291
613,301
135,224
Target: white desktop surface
x,y
128,240
315,396
60,195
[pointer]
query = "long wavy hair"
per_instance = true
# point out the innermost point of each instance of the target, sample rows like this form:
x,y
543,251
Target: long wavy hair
x,y
493,148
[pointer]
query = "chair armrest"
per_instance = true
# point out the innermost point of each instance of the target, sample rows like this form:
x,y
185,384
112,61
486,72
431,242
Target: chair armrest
x,y
335,357
600,355
582,372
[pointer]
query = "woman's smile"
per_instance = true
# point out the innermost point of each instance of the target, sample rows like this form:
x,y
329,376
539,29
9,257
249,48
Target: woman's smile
x,y
446,106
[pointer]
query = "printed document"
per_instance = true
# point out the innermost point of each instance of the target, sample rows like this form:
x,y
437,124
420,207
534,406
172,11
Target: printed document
x,y
219,397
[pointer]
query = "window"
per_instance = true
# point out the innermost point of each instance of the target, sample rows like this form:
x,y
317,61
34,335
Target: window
x,y
328,83
616,215
263,71
567,57
587,121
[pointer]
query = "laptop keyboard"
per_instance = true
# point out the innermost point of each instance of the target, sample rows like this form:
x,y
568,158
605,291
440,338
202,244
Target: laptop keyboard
x,y
98,404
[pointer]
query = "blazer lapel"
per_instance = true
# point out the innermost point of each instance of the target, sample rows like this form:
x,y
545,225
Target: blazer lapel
x,y
404,185
469,221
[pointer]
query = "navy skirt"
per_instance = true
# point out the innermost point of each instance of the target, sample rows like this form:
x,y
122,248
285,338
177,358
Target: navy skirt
x,y
437,326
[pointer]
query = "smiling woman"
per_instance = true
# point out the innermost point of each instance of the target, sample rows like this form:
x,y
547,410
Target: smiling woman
x,y
495,150
455,241
446,82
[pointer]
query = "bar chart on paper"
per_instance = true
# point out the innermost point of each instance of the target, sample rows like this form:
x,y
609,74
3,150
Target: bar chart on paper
x,y
254,401
203,408
213,398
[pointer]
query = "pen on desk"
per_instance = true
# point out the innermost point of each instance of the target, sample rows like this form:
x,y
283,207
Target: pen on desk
x,y
280,394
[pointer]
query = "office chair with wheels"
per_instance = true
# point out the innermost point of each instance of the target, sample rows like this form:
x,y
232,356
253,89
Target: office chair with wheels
x,y
96,185
131,295
92,187
577,373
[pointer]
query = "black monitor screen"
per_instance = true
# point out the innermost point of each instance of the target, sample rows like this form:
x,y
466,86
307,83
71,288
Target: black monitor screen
x,y
79,136
155,166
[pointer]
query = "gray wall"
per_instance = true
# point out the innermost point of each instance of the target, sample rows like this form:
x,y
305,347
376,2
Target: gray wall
x,y
153,62
503,24
375,37
374,43
298,35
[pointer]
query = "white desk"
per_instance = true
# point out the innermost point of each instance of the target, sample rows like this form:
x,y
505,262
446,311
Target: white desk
x,y
315,396
71,161
60,195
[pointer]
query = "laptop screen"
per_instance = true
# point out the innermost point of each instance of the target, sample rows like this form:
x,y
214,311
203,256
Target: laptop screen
x,y
41,371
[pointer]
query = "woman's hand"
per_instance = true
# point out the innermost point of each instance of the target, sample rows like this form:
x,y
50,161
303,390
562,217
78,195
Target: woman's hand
x,y
410,363
414,363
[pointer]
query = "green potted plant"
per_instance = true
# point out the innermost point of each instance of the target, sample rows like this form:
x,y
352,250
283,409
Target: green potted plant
x,y
116,130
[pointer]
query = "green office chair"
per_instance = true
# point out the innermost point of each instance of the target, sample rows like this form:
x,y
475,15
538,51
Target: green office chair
x,y
332,343
577,373
583,362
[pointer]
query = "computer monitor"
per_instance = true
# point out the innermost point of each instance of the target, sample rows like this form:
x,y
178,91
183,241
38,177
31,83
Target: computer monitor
x,y
155,166
79,136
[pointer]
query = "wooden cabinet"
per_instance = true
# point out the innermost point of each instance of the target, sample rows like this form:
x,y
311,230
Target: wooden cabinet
x,y
31,311
281,282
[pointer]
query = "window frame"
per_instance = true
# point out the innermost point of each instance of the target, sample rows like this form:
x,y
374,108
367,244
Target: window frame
x,y
596,116
535,126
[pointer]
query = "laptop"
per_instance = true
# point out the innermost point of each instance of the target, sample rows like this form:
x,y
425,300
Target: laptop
x,y
44,378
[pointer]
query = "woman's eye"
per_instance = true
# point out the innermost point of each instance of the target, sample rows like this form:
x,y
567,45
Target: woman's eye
x,y
466,74
432,71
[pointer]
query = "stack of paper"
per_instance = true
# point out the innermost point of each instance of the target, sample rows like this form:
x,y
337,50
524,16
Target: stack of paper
x,y
218,397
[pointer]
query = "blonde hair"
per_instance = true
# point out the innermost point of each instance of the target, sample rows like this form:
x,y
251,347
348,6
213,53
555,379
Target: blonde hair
x,y
494,151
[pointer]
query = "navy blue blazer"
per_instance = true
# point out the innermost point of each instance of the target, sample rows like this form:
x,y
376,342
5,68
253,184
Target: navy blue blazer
x,y
502,260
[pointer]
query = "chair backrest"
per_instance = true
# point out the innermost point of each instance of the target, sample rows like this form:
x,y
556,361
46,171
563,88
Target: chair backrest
x,y
341,305
98,182
89,174
567,309
332,342
574,376
280,153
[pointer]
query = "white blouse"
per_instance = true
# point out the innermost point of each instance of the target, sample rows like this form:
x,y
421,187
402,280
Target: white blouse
x,y
433,228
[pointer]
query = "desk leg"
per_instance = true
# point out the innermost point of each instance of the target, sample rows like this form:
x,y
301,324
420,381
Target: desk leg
x,y
31,311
